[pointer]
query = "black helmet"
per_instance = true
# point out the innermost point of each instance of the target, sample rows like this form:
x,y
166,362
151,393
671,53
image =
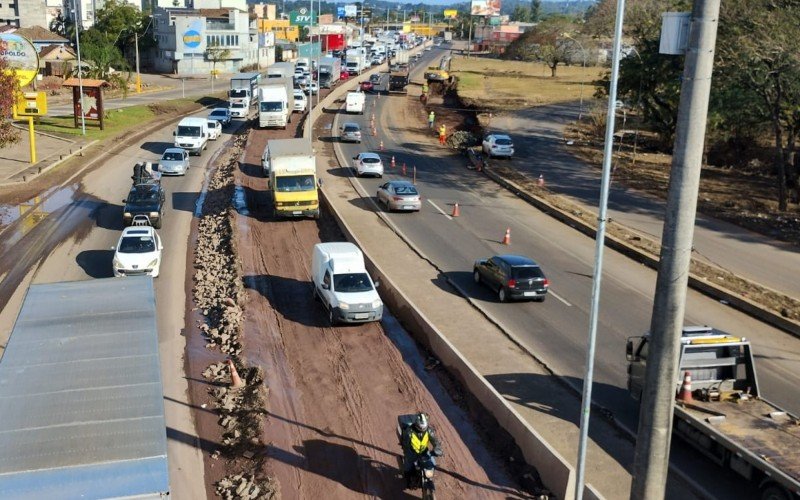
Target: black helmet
x,y
421,422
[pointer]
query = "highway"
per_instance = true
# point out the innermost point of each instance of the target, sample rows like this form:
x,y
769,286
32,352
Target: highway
x,y
555,331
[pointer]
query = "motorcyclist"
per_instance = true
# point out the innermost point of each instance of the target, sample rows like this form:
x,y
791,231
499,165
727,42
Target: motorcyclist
x,y
416,440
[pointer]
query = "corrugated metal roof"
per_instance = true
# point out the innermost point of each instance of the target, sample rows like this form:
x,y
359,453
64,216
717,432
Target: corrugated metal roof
x,y
81,401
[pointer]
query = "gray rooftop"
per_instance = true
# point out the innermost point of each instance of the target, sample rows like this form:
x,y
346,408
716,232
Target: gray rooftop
x,y
80,394
290,147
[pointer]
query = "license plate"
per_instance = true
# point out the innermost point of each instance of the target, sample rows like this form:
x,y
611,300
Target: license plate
x,y
361,315
297,212
408,207
530,294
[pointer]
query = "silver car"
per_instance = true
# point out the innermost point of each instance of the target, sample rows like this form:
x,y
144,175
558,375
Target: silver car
x,y
350,132
174,161
400,195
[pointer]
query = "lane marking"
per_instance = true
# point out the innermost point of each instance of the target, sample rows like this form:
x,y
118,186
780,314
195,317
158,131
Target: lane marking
x,y
554,294
439,209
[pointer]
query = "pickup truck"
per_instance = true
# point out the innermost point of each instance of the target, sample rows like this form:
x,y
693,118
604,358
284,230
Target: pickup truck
x,y
727,419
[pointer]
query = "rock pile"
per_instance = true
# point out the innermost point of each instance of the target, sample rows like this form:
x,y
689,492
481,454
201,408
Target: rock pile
x,y
242,486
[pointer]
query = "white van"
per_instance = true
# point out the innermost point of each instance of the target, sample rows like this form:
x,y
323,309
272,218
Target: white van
x,y
341,282
192,134
355,102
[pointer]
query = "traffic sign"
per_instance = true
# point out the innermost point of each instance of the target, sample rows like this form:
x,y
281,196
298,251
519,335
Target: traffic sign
x,y
21,57
31,104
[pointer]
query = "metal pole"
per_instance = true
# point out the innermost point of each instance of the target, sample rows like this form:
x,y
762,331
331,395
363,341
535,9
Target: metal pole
x,y
651,461
80,71
138,74
469,40
608,149
583,71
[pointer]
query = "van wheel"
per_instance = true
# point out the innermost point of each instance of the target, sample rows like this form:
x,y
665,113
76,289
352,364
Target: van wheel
x,y
501,294
314,294
476,277
331,317
774,493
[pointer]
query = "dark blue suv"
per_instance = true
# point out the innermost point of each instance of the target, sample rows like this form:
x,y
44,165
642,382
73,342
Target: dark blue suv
x,y
513,277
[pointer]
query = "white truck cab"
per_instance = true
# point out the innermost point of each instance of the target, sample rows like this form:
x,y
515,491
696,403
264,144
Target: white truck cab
x,y
341,282
192,134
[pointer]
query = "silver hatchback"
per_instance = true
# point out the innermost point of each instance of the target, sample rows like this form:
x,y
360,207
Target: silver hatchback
x,y
174,161
400,195
350,132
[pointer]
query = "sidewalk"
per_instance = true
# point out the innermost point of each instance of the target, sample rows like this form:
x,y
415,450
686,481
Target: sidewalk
x,y
15,163
540,149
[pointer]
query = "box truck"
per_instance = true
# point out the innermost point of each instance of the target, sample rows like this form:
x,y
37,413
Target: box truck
x,y
243,89
280,70
330,69
355,60
292,169
275,103
342,284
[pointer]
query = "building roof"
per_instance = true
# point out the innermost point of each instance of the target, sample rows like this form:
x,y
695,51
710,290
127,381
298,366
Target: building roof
x,y
39,34
87,82
7,28
58,52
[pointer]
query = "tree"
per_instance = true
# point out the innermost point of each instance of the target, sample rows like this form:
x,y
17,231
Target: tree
x,y
520,14
104,59
9,88
536,11
546,42
120,21
215,54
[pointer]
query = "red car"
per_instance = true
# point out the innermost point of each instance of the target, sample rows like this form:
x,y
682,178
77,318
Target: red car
x,y
344,76
366,86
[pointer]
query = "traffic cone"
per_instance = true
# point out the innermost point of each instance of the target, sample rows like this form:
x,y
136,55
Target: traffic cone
x,y
685,394
393,163
374,132
236,381
507,237
456,210
404,169
381,146
541,180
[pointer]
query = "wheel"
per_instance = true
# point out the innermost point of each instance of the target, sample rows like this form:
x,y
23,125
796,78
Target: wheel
x,y
501,294
539,299
331,317
476,276
774,492
428,494
157,225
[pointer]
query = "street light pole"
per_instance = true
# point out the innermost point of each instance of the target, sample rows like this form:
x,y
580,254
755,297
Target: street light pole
x,y
138,74
583,72
80,69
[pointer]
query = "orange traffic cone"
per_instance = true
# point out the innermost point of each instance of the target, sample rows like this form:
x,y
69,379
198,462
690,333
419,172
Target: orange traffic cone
x,y
393,163
456,210
685,394
236,381
541,180
381,146
507,237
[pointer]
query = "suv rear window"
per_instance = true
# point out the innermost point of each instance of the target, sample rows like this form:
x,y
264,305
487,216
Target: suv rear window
x,y
526,272
351,128
503,142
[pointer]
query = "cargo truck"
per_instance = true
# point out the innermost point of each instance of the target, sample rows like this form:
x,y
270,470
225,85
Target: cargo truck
x,y
280,70
726,418
398,73
355,61
243,89
330,69
276,103
82,400
292,169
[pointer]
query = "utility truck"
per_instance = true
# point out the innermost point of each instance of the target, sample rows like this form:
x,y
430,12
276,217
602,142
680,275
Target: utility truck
x,y
355,60
398,73
724,415
243,89
330,69
276,103
292,169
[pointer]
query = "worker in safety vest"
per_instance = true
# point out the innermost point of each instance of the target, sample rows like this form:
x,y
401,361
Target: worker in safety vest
x,y
442,134
417,439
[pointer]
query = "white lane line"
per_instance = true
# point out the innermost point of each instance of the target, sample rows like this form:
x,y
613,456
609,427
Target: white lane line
x,y
439,209
554,294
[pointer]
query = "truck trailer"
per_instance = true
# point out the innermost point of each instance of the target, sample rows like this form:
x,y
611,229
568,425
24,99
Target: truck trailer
x,y
725,417
292,168
280,70
330,70
83,403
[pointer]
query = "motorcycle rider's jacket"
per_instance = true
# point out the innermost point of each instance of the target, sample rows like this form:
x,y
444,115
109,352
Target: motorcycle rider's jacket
x,y
419,442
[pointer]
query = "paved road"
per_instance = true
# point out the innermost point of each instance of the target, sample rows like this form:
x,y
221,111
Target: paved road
x,y
540,149
555,330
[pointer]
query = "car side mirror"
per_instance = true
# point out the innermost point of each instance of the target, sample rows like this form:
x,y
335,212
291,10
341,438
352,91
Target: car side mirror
x,y
160,246
174,132
114,248
319,182
377,284
355,157
326,286
629,355
124,200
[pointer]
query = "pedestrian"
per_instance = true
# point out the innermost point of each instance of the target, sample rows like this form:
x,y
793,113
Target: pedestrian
x,y
431,117
442,134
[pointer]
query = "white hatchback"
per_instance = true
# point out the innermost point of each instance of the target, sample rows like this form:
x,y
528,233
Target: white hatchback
x,y
368,164
138,252
300,100
214,129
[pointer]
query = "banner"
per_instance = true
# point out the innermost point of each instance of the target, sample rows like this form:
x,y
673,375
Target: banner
x,y
300,17
494,21
340,13
350,11
485,8
450,14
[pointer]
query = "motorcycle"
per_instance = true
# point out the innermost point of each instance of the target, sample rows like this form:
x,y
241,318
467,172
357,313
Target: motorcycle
x,y
421,475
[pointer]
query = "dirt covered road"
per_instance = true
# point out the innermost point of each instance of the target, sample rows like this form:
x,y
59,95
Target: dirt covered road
x,y
335,393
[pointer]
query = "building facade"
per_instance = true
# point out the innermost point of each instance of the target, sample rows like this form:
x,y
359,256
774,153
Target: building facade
x,y
195,41
23,13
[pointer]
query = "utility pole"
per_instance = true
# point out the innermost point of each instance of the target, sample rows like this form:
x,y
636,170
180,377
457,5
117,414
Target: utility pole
x,y
651,461
138,74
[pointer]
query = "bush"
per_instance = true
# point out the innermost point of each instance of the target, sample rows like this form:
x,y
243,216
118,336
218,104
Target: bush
x,y
50,84
461,139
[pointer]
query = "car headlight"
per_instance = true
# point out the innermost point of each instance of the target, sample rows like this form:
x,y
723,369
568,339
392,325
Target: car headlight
x,y
153,215
126,215
376,303
117,264
153,263
344,305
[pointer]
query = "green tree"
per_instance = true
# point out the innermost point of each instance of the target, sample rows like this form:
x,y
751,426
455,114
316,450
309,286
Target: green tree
x,y
546,43
120,21
535,11
215,54
9,88
104,59
520,14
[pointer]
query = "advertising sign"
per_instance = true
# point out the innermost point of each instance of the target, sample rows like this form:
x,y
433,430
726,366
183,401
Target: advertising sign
x,y
485,8
88,105
190,36
21,56
266,39
300,17
350,11
450,14
31,104
494,21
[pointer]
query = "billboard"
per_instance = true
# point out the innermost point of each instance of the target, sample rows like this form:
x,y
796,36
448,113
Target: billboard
x,y
340,13
21,56
485,8
450,14
350,11
190,36
300,17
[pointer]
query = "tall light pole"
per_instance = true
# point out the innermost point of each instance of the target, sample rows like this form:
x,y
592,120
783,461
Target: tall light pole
x,y
583,71
80,69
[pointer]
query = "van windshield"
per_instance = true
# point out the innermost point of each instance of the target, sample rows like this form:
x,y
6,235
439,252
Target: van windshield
x,y
271,106
185,131
238,93
292,183
351,283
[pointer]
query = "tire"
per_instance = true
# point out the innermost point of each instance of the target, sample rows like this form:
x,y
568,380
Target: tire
x,y
157,225
539,299
331,317
774,492
501,294
428,494
476,276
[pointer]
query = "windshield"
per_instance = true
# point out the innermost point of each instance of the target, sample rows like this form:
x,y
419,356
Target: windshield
x,y
238,93
409,190
351,283
184,131
238,105
527,272
351,128
293,183
369,159
137,244
503,142
352,65
271,106
172,156
143,196
217,115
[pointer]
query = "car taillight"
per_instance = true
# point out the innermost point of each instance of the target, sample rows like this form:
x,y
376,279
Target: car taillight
x,y
512,283
397,198
546,282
